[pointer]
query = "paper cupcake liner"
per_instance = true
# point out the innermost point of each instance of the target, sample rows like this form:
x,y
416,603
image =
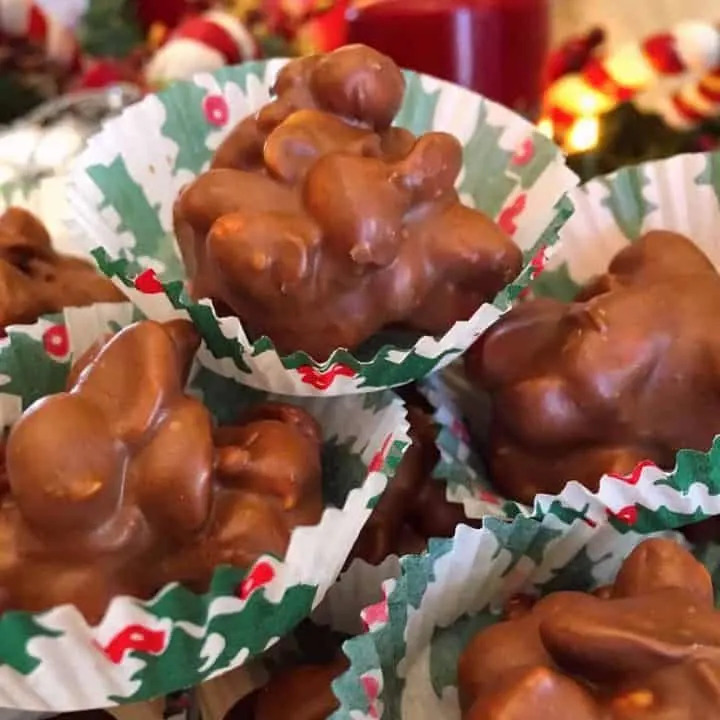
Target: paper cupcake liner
x,y
405,666
681,194
56,661
122,189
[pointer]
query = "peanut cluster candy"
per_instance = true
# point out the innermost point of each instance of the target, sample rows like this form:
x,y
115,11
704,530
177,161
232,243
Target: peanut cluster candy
x,y
648,648
319,224
35,279
122,484
630,371
414,507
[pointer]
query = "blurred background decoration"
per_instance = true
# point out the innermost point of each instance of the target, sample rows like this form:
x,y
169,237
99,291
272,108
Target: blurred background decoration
x,y
607,103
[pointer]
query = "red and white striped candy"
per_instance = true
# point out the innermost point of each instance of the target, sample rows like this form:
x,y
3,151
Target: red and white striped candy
x,y
203,43
691,47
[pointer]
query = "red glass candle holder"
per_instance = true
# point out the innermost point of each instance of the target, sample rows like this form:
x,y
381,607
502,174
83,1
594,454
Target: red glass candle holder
x,y
495,47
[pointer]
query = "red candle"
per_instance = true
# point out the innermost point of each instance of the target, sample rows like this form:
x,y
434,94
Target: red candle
x,y
496,47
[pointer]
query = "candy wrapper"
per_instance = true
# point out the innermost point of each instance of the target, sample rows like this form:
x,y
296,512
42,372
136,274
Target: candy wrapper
x,y
405,666
683,195
56,661
124,185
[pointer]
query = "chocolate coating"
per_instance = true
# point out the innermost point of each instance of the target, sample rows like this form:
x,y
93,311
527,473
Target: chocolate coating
x,y
649,648
301,693
122,484
319,224
35,279
413,508
629,371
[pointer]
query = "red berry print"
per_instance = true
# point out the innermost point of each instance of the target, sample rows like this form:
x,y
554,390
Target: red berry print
x,y
524,153
634,477
323,379
216,110
375,615
509,216
147,282
134,637
627,515
261,575
56,341
378,459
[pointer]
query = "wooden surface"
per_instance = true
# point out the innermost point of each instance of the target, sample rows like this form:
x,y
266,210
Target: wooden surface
x,y
627,20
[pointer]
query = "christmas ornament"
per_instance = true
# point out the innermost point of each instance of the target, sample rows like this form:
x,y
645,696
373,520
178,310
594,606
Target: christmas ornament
x,y
202,43
695,102
597,83
46,141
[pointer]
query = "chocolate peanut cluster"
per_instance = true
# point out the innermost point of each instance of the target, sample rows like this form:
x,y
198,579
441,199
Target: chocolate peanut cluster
x,y
646,648
629,371
122,484
35,279
414,507
319,224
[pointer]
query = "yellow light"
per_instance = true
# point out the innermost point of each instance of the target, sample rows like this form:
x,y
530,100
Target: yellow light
x,y
545,126
583,135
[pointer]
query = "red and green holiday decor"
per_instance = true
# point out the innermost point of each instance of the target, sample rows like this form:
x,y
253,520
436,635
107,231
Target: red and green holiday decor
x,y
405,666
54,661
201,43
585,83
122,190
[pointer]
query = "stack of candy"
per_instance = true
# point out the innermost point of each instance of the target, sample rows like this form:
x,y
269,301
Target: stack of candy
x,y
379,359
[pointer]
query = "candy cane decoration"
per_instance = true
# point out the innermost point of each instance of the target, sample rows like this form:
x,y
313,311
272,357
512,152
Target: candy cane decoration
x,y
202,43
604,82
25,19
694,103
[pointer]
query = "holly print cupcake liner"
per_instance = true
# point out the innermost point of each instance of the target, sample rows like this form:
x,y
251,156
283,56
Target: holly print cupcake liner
x,y
56,661
122,190
405,666
681,194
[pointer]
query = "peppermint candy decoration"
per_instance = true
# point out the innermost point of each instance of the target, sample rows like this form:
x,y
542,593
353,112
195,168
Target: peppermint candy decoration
x,y
203,43
25,19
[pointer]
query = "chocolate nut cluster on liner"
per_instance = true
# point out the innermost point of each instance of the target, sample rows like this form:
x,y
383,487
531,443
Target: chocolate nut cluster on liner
x,y
36,280
647,647
122,485
319,224
414,507
630,371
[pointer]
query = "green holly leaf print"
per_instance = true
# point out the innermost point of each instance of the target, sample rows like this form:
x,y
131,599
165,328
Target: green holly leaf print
x,y
202,316
17,630
524,537
138,217
32,373
555,283
224,397
567,515
248,630
342,470
577,574
711,174
544,153
418,109
448,644
626,201
691,466
486,176
186,123
639,519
